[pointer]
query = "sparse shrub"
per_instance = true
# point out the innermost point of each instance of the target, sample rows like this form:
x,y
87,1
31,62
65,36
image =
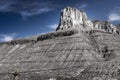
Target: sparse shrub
x,y
15,74
106,53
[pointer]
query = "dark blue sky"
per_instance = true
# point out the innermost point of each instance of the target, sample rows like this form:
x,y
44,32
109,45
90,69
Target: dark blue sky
x,y
23,18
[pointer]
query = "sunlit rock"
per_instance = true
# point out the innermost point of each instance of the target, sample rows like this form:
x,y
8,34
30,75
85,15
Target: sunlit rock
x,y
73,18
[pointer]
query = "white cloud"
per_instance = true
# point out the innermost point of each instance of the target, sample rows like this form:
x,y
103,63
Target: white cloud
x,y
83,5
26,14
4,37
114,15
35,12
26,8
54,26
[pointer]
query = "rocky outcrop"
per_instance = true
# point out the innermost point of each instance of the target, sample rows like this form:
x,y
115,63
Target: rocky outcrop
x,y
73,18
106,26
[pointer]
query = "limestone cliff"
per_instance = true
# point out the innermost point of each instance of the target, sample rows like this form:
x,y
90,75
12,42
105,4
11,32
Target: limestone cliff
x,y
76,51
73,18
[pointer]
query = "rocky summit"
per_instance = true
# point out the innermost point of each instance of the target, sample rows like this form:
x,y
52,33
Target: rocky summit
x,y
79,49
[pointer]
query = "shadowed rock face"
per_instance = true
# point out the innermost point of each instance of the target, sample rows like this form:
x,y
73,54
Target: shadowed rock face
x,y
70,53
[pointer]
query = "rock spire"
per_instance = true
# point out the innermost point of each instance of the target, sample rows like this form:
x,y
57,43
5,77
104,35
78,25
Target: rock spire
x,y
73,18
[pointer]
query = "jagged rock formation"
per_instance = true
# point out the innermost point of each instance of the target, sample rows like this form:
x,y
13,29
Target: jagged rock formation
x,y
73,18
106,26
78,50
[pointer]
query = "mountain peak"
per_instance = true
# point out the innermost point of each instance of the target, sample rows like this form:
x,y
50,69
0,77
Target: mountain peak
x,y
72,18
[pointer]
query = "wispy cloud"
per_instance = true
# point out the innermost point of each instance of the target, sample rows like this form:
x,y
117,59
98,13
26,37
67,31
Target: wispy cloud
x,y
83,6
35,7
25,7
114,15
35,12
54,26
4,37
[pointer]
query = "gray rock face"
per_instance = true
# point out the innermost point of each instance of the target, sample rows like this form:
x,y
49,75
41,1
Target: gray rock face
x,y
73,18
77,19
105,25
84,50
118,27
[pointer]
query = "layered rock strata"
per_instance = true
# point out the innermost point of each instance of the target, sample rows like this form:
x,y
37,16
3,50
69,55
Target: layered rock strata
x,y
78,50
